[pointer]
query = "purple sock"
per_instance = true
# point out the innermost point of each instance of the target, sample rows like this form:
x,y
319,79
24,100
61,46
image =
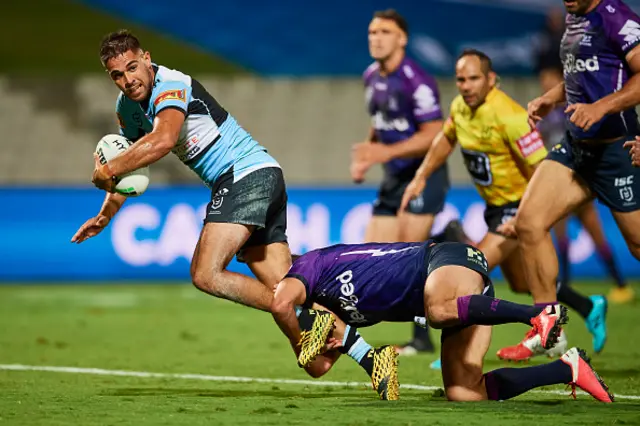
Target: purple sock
x,y
607,258
506,383
544,305
477,309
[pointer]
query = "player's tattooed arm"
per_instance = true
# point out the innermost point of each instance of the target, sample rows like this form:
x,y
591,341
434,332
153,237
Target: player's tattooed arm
x,y
152,147
629,96
289,293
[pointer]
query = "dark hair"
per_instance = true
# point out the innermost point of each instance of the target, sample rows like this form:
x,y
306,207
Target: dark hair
x,y
117,43
485,61
393,15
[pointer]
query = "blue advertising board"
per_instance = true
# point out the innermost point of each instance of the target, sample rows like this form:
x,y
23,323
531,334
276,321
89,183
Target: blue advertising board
x,y
153,236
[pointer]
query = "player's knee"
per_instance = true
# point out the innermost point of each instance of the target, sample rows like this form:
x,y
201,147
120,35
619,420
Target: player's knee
x,y
529,228
438,315
467,385
207,281
464,394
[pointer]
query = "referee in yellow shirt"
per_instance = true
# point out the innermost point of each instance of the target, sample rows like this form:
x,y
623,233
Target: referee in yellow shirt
x,y
500,152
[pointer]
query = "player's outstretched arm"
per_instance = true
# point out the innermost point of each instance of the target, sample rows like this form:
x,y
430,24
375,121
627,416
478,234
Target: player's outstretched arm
x,y
435,158
147,150
95,225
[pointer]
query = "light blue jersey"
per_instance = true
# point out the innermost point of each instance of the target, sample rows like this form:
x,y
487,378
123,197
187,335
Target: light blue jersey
x,y
210,141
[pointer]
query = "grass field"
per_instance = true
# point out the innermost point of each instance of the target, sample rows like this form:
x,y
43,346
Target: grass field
x,y
174,329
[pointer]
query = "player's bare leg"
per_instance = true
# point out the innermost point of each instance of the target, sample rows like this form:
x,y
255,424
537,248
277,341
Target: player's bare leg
x,y
588,217
541,207
464,349
382,229
629,224
269,263
416,228
218,244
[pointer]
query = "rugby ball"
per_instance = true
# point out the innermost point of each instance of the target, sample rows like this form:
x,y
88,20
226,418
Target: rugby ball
x,y
131,184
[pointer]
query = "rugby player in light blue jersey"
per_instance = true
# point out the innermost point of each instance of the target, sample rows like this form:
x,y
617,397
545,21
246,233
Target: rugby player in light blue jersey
x,y
165,111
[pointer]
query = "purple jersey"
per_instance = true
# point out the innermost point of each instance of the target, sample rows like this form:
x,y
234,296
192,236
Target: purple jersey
x,y
593,53
398,103
366,283
553,127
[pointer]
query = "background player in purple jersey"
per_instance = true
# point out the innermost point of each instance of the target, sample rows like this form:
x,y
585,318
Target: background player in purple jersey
x,y
601,87
447,283
553,129
404,104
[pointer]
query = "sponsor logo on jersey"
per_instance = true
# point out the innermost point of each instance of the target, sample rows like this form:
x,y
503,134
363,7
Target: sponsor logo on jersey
x,y
630,31
348,300
573,65
381,123
530,143
179,95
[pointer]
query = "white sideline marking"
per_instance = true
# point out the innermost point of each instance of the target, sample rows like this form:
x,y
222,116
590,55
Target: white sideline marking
x,y
147,374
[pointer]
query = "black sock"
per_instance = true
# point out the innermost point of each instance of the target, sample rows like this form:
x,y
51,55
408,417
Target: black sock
x,y
357,348
563,259
421,337
568,296
485,310
453,232
506,383
607,258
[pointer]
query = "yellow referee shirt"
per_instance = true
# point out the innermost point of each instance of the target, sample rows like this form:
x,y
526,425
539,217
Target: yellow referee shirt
x,y
497,144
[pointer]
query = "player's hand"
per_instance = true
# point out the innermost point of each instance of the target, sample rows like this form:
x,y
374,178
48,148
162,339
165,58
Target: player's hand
x,y
370,153
414,189
90,228
358,170
634,150
331,344
585,115
508,229
537,109
102,178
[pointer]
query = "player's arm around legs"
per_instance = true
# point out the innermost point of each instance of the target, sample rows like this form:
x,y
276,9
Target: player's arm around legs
x,y
553,192
218,244
291,292
269,263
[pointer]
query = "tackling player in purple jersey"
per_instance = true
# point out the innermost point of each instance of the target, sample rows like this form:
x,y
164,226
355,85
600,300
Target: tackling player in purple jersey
x,y
448,284
601,62
403,102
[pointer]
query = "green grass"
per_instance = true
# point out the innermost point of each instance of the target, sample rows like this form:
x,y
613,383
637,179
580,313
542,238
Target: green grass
x,y
62,37
175,329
